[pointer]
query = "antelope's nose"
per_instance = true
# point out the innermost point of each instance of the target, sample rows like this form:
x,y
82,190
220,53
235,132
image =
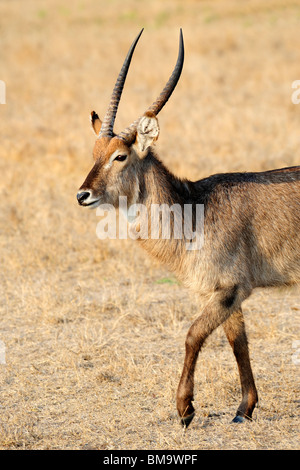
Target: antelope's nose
x,y
82,196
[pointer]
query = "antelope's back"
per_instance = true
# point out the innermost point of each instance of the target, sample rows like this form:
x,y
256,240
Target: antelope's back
x,y
252,225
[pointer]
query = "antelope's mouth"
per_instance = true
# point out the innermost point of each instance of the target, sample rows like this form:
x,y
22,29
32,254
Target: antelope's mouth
x,y
92,204
85,199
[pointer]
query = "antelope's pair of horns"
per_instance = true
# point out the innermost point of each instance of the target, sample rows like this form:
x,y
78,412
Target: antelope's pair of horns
x,y
109,119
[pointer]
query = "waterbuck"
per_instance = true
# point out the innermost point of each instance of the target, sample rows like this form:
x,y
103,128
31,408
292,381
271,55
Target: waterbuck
x,y
251,229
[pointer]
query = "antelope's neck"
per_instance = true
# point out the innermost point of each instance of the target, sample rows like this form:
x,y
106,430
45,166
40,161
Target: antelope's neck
x,y
160,186
161,191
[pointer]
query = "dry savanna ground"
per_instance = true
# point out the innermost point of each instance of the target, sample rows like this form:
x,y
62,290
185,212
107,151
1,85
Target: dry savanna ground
x,y
93,331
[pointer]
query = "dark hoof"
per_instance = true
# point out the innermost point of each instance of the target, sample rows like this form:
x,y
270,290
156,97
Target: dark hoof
x,y
186,420
239,419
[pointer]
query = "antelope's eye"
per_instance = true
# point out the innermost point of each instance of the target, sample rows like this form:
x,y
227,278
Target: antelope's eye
x,y
121,158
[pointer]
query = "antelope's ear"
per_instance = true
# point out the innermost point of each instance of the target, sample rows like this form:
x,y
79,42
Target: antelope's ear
x,y
147,133
95,122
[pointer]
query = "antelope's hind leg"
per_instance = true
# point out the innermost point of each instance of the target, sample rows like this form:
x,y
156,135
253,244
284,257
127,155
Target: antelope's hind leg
x,y
234,328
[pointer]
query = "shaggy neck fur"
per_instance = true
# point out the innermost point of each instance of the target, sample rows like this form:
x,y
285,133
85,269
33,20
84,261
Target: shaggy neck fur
x,y
157,185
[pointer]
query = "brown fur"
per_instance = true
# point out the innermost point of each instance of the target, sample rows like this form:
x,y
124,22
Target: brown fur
x,y
251,230
252,239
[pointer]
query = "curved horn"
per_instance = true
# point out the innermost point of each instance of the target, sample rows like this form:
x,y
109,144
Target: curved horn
x,y
110,116
129,133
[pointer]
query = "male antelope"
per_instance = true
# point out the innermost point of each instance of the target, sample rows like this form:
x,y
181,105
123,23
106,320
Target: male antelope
x,y
251,229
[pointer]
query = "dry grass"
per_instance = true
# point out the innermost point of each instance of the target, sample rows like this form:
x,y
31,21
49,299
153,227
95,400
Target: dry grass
x,y
94,342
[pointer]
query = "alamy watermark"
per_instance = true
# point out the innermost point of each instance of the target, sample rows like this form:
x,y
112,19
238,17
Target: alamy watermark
x,y
296,94
159,222
2,352
2,92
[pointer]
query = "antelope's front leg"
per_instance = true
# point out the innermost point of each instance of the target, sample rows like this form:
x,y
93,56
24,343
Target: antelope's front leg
x,y
212,316
185,391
